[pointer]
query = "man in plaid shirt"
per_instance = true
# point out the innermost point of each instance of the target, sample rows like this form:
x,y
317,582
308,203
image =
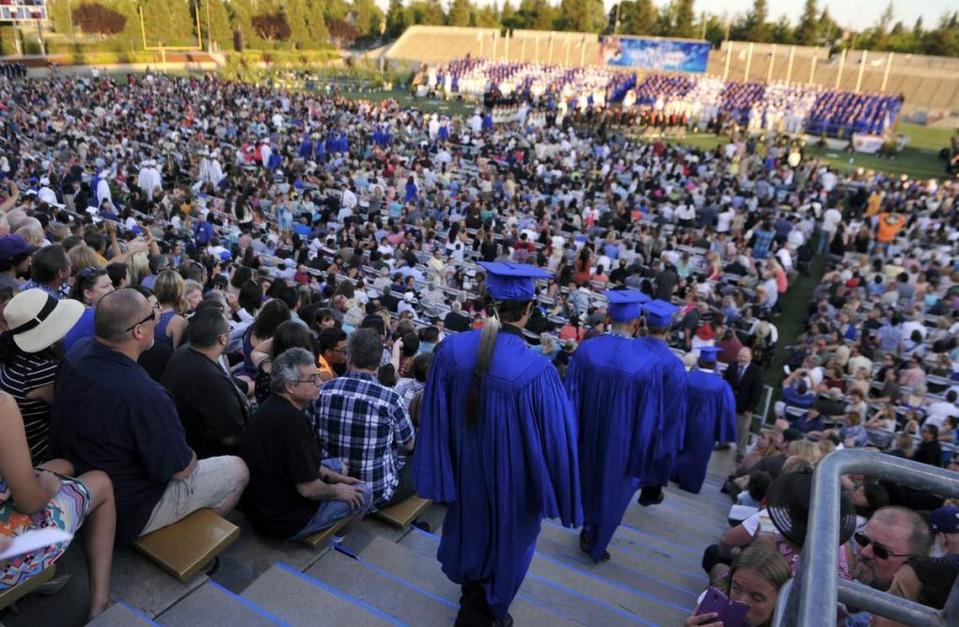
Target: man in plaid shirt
x,y
366,424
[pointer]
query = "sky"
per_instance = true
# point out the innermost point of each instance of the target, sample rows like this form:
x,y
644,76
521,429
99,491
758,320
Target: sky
x,y
855,14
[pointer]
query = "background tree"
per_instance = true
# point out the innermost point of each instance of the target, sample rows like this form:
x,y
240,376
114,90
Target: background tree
x,y
272,26
316,31
97,19
637,17
342,33
215,23
685,16
398,18
296,12
460,13
582,16
428,12
369,18
828,32
754,27
536,15
168,21
807,29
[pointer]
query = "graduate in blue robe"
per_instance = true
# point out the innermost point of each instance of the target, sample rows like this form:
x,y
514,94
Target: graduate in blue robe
x,y
659,469
615,386
497,443
710,418
306,148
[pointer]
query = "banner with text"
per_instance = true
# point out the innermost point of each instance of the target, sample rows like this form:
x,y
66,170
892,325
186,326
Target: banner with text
x,y
664,55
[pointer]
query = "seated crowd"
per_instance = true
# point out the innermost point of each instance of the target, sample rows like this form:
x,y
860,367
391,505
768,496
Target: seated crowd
x,y
206,305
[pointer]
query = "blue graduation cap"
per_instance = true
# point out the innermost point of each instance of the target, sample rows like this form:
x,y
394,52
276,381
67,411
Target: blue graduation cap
x,y
659,313
708,353
625,305
512,281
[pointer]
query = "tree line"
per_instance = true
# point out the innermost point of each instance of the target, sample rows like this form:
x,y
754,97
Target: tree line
x,y
312,23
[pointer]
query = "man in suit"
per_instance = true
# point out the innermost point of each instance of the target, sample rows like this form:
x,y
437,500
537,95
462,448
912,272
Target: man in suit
x,y
747,382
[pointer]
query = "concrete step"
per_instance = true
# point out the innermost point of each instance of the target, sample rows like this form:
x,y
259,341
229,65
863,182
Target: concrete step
x,y
212,605
578,596
121,615
427,575
300,599
666,577
403,600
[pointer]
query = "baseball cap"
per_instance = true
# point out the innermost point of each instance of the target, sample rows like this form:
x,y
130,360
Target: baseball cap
x,y
945,520
13,246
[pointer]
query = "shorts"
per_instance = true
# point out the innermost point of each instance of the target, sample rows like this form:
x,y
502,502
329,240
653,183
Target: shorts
x,y
65,511
211,483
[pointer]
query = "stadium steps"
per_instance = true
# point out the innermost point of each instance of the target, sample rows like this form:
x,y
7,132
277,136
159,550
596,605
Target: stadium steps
x,y
380,575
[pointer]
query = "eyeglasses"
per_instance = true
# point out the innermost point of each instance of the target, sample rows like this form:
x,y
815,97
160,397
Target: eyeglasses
x,y
151,318
878,550
314,380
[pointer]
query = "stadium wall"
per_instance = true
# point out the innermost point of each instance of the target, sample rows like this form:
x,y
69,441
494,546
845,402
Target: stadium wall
x,y
928,83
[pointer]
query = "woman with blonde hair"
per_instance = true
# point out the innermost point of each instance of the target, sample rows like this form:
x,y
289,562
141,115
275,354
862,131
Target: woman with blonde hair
x,y
81,257
170,291
804,449
755,578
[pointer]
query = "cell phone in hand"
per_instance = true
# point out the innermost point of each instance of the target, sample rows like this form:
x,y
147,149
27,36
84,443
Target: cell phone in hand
x,y
731,613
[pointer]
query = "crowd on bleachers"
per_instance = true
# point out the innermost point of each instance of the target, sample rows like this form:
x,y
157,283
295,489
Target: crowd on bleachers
x,y
282,266
685,99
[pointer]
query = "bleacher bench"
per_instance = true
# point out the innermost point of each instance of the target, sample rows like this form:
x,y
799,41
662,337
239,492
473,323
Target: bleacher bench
x,y
321,538
404,513
185,547
10,596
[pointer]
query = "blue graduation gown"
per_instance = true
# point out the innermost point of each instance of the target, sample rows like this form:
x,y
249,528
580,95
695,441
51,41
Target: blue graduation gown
x,y
710,418
306,149
615,386
501,477
670,434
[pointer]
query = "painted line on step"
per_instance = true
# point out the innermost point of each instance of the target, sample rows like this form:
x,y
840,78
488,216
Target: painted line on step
x,y
250,605
401,581
137,612
613,584
652,558
603,580
372,609
591,600
691,556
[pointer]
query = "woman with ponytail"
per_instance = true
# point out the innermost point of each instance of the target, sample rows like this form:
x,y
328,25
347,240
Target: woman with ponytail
x,y
498,445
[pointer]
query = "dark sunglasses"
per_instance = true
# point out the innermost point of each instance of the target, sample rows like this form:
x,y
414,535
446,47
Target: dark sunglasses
x,y
151,317
878,550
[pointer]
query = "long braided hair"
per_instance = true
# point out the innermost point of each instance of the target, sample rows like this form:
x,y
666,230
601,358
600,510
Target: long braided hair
x,y
503,311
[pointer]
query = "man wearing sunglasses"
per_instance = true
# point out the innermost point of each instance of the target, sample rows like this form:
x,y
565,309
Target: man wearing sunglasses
x,y
108,414
892,535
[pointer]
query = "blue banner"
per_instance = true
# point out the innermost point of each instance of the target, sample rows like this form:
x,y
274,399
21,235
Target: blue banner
x,y
664,55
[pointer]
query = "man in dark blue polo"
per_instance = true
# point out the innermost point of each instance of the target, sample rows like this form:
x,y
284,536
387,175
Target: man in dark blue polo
x,y
109,415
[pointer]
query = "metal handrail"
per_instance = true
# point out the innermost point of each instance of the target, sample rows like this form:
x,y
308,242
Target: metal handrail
x,y
817,585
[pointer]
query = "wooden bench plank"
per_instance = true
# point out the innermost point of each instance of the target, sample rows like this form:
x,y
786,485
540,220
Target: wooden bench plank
x,y
183,548
320,539
404,513
12,595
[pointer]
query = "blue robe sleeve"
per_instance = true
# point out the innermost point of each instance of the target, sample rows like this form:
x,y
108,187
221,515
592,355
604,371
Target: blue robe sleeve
x,y
549,430
726,422
432,466
650,419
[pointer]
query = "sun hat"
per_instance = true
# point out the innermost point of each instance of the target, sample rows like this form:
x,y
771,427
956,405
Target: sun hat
x,y
37,320
787,503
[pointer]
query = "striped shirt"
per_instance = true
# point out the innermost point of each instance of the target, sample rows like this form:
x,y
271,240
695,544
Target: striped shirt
x,y
20,377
